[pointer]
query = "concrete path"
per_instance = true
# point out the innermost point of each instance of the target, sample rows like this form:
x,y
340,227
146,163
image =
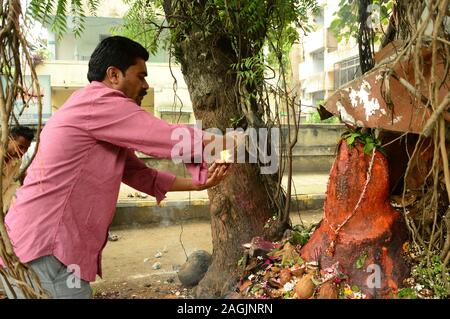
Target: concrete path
x,y
305,183
308,193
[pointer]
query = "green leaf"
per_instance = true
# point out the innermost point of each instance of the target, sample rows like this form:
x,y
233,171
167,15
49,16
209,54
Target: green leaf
x,y
384,12
368,148
300,237
407,293
351,139
361,260
335,26
355,288
389,5
376,38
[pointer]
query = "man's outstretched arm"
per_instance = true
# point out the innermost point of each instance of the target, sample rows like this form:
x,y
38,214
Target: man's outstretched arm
x,y
157,183
216,173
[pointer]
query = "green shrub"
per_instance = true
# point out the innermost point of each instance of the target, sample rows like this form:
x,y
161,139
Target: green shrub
x,y
314,117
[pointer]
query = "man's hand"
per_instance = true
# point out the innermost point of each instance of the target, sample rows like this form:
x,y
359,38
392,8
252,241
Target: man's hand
x,y
216,173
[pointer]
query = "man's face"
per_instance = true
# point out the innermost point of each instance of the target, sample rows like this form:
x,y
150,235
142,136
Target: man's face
x,y
133,83
18,146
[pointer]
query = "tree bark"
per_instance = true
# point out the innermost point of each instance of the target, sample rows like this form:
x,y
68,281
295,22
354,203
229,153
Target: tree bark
x,y
240,206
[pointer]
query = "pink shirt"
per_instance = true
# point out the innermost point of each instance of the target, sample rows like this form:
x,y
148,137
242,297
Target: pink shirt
x,y
87,148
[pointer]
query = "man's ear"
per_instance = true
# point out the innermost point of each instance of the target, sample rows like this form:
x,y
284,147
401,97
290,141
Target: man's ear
x,y
113,74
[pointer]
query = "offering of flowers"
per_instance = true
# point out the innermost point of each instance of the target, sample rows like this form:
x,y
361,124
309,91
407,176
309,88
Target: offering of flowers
x,y
225,155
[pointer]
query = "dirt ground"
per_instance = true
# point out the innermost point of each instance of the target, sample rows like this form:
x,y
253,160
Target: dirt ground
x,y
127,263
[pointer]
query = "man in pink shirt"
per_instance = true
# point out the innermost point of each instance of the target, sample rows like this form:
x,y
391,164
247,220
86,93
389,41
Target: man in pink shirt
x,y
60,219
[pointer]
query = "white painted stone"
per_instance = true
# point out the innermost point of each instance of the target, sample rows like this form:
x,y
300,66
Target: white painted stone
x,y
346,118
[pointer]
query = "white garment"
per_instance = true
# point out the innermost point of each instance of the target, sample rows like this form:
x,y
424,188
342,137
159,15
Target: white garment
x,y
9,186
27,156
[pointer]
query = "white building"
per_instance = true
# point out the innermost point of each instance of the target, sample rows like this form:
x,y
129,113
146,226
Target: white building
x,y
324,64
320,65
65,70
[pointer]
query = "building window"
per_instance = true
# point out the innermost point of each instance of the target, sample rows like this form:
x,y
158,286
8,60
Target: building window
x,y
318,18
346,71
317,58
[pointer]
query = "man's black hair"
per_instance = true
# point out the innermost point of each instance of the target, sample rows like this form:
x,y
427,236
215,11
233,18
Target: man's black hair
x,y
24,131
116,51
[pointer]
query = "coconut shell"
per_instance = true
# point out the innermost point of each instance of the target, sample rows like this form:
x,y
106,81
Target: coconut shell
x,y
298,272
305,287
285,276
328,290
312,271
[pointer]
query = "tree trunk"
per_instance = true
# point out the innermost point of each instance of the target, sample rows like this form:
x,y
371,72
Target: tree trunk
x,y
240,206
369,245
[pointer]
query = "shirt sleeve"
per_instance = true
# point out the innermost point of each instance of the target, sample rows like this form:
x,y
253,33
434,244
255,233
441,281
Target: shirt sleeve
x,y
145,179
118,120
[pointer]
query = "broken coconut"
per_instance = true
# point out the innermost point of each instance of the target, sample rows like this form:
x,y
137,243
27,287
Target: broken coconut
x,y
305,287
285,276
297,270
328,290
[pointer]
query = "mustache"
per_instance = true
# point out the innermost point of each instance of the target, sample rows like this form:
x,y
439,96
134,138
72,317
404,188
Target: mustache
x,y
143,93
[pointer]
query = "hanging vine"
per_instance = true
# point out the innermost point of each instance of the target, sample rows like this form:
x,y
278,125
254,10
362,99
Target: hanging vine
x,y
15,61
